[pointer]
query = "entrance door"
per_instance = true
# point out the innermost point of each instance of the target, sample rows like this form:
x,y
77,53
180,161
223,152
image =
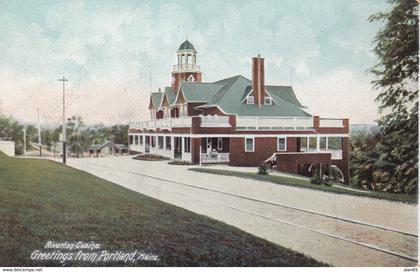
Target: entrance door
x,y
147,144
178,148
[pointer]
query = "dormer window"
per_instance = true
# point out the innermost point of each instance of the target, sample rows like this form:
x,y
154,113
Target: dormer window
x,y
190,78
268,100
250,100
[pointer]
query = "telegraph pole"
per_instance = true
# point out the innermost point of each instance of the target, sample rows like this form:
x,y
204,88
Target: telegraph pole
x,y
64,80
39,135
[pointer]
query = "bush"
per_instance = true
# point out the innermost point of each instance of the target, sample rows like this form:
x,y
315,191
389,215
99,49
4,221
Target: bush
x,y
316,181
327,181
316,176
176,162
263,168
150,157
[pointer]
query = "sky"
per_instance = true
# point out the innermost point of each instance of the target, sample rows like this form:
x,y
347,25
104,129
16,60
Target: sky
x,y
323,48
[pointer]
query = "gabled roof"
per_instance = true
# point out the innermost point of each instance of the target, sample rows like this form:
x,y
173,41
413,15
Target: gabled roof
x,y
285,92
170,95
199,91
100,146
234,89
155,100
228,94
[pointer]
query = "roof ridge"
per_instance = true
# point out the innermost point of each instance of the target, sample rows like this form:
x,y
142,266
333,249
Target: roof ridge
x,y
226,87
195,82
279,86
230,78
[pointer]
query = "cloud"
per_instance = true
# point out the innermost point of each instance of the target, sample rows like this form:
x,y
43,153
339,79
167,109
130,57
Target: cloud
x,y
107,47
339,94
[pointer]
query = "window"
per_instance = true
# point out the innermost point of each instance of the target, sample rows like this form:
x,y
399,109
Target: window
x,y
250,100
312,143
141,139
160,142
281,144
135,140
268,100
334,143
168,142
308,144
131,139
249,144
219,143
187,144
303,143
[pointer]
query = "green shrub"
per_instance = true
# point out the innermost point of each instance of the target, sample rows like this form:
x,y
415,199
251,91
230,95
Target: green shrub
x,y
263,168
327,181
316,181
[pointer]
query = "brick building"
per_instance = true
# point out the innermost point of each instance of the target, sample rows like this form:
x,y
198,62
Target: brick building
x,y
237,121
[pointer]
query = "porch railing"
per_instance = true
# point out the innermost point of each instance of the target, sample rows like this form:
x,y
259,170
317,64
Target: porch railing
x,y
331,122
162,123
215,121
336,154
274,123
186,67
214,157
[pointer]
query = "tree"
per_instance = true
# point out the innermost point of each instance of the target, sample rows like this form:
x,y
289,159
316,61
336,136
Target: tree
x,y
75,126
396,79
47,138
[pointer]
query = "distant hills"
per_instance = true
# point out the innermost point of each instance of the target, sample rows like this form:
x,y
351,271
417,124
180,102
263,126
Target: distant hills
x,y
362,128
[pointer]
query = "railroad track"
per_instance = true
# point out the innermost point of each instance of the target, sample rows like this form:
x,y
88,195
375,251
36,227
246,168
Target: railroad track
x,y
112,170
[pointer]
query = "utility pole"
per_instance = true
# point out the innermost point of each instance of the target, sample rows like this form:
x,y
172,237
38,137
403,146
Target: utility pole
x,y
24,141
39,135
64,80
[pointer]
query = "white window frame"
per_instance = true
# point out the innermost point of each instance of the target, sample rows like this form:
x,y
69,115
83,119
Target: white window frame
x,y
285,144
253,144
219,143
269,99
250,100
191,78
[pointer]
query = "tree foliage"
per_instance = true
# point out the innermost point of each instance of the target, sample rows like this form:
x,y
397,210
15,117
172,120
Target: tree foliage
x,y
79,135
396,80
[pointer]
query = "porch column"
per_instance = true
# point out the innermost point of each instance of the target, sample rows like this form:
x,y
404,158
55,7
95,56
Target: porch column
x,y
182,147
172,147
317,143
164,144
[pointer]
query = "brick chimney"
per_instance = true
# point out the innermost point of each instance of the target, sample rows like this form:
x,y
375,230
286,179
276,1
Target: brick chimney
x,y
258,80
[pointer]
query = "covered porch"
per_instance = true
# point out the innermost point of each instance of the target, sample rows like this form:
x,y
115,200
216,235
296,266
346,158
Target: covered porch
x,y
215,150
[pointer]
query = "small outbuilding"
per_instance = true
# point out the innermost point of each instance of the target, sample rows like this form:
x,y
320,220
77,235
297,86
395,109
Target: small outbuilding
x,y
107,149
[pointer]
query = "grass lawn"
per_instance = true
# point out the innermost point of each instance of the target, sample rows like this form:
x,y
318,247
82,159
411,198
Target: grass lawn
x,y
291,181
41,200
